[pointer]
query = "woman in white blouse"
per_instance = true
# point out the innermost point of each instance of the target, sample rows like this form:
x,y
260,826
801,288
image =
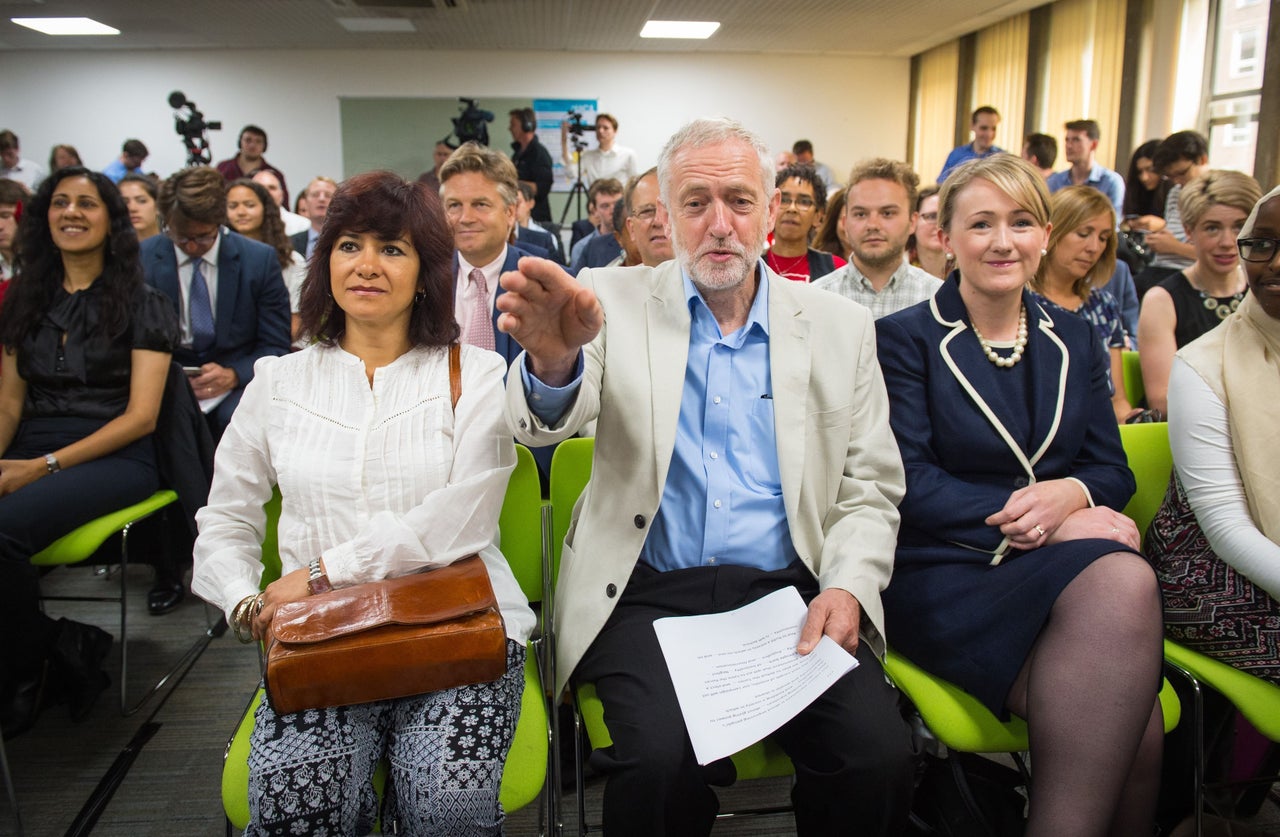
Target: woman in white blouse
x,y
1216,539
380,476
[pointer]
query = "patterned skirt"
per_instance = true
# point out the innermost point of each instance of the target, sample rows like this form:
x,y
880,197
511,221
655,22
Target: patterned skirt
x,y
1208,606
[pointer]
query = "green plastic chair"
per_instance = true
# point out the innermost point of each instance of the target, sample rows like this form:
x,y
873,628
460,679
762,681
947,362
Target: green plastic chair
x,y
81,543
1147,448
570,472
524,776
1256,699
1131,371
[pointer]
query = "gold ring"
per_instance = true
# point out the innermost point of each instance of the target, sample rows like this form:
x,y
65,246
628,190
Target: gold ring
x,y
1038,529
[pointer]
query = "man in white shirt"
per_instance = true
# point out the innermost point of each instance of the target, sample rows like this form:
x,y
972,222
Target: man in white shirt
x,y
609,160
802,152
13,167
879,218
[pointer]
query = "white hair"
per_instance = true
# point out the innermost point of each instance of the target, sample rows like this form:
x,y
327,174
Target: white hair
x,y
712,130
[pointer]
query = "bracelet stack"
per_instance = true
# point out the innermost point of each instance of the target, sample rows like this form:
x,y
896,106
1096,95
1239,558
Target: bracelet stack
x,y
243,615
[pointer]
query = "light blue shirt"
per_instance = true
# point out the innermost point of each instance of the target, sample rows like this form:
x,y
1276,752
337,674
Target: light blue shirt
x,y
963,154
1101,178
722,502
115,170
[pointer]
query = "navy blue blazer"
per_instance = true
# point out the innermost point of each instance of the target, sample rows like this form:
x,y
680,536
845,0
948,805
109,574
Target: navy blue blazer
x,y
551,243
967,445
252,316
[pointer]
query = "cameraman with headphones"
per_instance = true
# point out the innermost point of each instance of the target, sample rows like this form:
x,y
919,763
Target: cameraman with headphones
x,y
533,161
251,146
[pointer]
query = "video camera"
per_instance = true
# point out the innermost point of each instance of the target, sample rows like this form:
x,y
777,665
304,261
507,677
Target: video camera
x,y
471,124
576,125
193,129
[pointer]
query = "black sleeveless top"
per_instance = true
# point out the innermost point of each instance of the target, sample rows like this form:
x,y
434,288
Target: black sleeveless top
x,y
1197,313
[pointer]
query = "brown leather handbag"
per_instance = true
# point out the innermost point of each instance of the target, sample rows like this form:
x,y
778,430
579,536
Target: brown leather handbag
x,y
388,639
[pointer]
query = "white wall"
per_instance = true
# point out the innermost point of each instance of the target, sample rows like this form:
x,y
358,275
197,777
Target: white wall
x,y
851,108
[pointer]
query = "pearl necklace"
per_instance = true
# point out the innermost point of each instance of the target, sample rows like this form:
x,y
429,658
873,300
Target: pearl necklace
x,y
1019,345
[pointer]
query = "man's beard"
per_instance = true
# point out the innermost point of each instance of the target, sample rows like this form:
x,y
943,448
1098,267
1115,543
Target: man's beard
x,y
877,261
719,277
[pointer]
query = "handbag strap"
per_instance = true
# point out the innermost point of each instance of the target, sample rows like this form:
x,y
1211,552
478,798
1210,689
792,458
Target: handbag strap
x,y
455,373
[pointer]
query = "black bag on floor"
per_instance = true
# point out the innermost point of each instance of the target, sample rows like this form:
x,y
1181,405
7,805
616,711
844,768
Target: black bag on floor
x,y
950,789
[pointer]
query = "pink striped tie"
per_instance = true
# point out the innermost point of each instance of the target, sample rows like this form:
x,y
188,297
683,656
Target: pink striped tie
x,y
480,329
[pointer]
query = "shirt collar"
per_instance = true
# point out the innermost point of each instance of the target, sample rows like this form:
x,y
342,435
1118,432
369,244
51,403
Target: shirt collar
x,y
757,317
465,267
866,283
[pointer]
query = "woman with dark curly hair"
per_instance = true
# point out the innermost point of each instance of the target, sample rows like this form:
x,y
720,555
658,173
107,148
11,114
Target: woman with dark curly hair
x,y
380,476
86,351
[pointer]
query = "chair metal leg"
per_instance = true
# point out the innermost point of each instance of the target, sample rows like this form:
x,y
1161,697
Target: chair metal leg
x,y
1197,746
194,651
8,786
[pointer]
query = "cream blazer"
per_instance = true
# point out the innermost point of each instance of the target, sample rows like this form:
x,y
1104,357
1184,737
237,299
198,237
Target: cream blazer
x,y
842,476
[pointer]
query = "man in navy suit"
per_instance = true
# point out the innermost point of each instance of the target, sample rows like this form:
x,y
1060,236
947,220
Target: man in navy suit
x,y
228,291
530,232
479,190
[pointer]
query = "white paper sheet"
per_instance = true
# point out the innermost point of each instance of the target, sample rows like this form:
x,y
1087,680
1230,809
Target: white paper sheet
x,y
737,675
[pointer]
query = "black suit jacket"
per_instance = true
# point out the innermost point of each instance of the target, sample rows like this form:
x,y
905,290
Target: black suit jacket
x,y
251,319
299,241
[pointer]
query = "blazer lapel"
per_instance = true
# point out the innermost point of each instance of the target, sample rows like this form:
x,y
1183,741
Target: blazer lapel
x,y
790,356
229,269
1050,363
972,370
667,315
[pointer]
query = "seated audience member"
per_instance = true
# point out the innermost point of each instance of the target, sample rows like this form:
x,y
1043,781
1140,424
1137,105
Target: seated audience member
x,y
315,423
14,167
1041,151
608,160
828,531
1121,286
64,156
924,247
830,237
317,194
1179,158
139,193
443,148
1081,146
132,155
784,159
12,196
647,220
630,256
251,212
229,293
531,159
1082,249
803,198
601,197
1213,208
1215,542
1033,599
300,204
248,161
878,219
802,150
530,232
983,123
1145,190
293,222
86,351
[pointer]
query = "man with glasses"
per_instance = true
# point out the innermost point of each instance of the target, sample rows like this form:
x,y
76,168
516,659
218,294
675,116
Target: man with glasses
x,y
647,220
804,199
230,297
879,218
1180,158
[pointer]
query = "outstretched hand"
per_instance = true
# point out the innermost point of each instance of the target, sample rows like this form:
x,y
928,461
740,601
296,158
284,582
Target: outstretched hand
x,y
550,315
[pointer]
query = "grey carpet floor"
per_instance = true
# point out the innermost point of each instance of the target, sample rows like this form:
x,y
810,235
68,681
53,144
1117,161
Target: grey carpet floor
x,y
172,785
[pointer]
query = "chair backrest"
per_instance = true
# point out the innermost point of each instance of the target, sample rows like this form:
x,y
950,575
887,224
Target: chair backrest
x,y
1147,447
521,525
271,540
570,472
1132,372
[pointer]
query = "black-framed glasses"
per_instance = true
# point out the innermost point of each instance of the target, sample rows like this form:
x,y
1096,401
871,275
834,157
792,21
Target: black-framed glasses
x,y
198,240
799,201
1258,249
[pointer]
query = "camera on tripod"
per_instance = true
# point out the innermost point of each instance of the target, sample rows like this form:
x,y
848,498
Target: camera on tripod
x,y
472,124
193,128
576,129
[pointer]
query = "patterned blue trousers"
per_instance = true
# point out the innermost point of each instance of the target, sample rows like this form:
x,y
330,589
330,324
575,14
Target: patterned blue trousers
x,y
311,772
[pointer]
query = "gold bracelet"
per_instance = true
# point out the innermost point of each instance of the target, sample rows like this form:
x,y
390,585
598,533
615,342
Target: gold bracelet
x,y
241,622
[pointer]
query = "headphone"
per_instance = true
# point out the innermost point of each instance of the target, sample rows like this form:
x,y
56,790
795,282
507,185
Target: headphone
x,y
527,122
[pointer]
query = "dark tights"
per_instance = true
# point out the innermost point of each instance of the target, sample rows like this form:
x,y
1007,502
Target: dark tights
x,y
1089,693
